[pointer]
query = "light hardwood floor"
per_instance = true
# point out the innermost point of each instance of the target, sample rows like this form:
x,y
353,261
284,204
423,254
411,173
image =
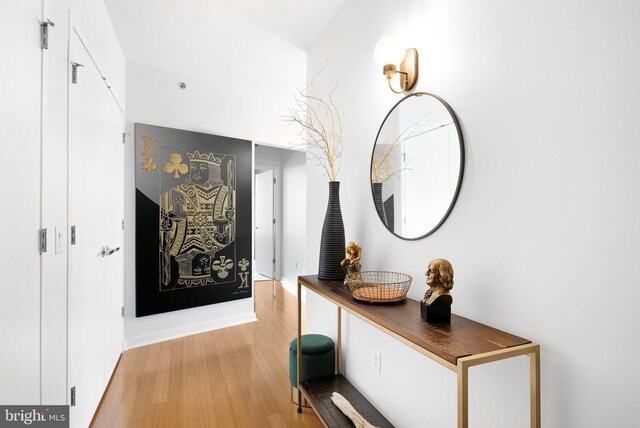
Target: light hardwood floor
x,y
234,377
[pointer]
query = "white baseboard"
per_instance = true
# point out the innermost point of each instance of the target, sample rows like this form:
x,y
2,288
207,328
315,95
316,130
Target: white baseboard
x,y
289,286
188,330
292,288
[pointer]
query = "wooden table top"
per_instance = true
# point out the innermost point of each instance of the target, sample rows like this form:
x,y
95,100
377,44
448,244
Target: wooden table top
x,y
462,338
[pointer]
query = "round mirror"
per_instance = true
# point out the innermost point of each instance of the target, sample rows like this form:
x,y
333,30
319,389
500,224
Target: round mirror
x,y
417,165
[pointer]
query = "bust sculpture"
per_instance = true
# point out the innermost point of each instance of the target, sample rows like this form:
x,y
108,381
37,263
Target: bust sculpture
x,y
439,276
352,263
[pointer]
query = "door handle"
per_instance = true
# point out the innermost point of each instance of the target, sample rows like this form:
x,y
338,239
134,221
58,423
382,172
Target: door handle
x,y
106,251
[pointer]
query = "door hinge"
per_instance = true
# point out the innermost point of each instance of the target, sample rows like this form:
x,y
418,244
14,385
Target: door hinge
x,y
73,235
74,72
44,33
274,181
274,261
124,137
122,224
274,221
73,395
123,312
43,240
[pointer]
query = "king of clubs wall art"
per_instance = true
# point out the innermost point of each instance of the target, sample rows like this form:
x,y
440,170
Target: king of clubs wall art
x,y
193,219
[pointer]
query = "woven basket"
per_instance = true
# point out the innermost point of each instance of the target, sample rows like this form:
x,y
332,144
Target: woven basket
x,y
379,286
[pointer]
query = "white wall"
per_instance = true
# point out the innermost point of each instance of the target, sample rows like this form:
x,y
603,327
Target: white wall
x,y
293,217
268,157
544,237
250,110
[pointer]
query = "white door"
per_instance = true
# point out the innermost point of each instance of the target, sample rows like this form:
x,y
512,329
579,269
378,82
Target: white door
x,y
96,196
114,237
20,75
265,227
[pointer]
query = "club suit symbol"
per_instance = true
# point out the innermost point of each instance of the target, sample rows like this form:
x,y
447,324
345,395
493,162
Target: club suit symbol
x,y
175,166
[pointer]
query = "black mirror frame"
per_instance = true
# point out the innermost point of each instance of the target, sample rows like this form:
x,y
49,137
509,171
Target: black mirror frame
x,y
460,173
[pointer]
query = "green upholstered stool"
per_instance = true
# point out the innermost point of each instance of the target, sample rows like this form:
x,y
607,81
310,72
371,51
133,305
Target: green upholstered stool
x,y
318,360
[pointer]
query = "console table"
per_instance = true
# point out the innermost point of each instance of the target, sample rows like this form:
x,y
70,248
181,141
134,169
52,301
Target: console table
x,y
457,346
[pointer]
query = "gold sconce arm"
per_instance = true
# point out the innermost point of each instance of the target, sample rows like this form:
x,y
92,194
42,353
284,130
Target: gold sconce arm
x,y
403,82
408,72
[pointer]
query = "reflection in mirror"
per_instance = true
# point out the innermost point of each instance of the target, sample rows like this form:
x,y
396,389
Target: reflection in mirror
x,y
417,166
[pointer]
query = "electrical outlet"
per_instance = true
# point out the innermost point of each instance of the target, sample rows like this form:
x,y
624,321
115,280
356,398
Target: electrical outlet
x,y
375,361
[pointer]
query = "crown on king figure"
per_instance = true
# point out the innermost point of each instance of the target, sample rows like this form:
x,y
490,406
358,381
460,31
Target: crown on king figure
x,y
204,157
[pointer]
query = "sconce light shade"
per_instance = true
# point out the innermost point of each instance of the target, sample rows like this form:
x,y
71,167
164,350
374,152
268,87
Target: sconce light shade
x,y
388,51
390,54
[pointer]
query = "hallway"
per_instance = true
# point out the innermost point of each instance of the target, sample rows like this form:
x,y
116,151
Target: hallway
x,y
233,377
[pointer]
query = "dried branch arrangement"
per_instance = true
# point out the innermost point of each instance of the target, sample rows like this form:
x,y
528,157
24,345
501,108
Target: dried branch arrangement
x,y
346,408
384,159
382,164
320,127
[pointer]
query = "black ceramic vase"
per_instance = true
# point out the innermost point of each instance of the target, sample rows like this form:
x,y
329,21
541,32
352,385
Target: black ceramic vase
x,y
377,201
332,246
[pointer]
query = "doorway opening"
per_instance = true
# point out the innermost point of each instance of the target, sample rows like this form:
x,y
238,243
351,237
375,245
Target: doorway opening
x,y
280,215
265,229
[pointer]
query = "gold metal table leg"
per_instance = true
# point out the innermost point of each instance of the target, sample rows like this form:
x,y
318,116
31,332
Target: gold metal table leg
x,y
534,381
530,349
463,395
299,347
339,340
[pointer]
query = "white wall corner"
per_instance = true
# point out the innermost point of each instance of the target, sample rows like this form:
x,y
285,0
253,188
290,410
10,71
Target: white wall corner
x,y
289,286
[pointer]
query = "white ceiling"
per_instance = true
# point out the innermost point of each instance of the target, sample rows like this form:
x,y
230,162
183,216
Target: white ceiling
x,y
299,22
162,33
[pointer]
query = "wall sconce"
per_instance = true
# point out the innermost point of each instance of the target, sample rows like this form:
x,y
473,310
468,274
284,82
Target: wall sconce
x,y
389,53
